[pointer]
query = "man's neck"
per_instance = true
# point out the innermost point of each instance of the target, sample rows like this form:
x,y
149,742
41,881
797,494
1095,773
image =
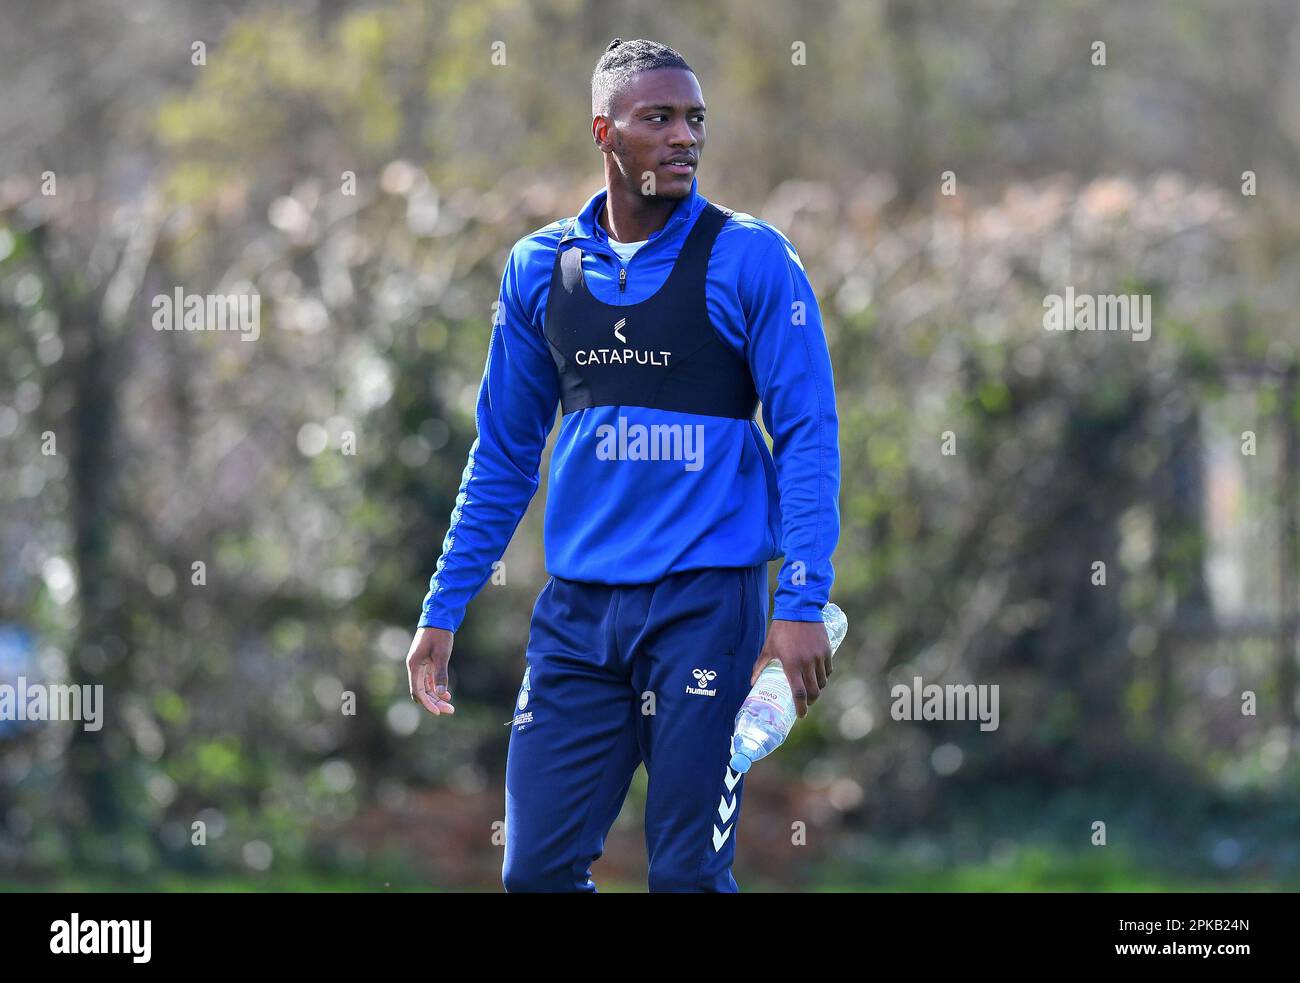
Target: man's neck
x,y
631,217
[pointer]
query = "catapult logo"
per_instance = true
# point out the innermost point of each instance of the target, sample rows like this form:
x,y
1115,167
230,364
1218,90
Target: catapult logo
x,y
102,936
703,677
621,356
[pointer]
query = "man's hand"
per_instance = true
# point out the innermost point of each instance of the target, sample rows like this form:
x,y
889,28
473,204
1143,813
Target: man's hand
x,y
804,649
426,665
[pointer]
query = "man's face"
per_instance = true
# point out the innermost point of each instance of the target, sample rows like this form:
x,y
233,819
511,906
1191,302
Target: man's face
x,y
656,120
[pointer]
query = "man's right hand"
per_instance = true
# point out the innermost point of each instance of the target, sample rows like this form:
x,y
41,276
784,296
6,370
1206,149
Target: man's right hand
x,y
426,665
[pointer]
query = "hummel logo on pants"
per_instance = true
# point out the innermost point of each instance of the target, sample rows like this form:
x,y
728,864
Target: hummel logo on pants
x,y
619,676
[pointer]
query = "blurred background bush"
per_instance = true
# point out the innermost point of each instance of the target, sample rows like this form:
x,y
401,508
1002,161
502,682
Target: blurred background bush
x,y
365,167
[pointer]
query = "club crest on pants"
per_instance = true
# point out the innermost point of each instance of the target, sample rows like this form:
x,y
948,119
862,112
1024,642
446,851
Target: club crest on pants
x,y
521,718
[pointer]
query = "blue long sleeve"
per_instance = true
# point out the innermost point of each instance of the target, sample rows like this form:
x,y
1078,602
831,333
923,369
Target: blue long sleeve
x,y
516,409
615,521
791,367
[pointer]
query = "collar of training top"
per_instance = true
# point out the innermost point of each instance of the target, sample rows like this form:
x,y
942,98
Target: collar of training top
x,y
585,225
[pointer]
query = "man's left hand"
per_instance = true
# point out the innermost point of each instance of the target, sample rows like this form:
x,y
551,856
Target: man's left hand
x,y
804,649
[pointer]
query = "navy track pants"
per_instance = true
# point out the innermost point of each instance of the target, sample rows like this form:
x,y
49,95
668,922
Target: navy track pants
x,y
617,676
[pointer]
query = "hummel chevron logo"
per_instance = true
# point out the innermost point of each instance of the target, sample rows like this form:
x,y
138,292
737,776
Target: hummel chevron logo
x,y
795,258
720,838
725,808
732,778
618,329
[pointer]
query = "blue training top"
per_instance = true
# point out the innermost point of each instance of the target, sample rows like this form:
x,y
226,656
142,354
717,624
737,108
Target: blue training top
x,y
617,511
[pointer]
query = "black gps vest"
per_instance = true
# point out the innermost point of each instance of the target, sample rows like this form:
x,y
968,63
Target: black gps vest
x,y
662,353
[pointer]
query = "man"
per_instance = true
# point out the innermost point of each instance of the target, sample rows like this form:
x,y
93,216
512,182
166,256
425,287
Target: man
x,y
656,321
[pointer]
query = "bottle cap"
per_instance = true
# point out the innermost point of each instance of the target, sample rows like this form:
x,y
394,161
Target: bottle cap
x,y
740,763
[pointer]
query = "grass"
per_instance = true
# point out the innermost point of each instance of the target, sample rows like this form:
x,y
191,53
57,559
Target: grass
x,y
1034,869
1042,869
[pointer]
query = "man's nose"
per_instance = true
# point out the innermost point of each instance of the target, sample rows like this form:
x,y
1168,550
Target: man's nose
x,y
682,135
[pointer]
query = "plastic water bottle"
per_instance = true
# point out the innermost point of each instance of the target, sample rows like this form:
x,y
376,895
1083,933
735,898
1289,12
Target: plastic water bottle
x,y
768,713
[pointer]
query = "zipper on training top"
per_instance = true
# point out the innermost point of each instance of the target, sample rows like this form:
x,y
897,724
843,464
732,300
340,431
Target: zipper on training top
x,y
622,278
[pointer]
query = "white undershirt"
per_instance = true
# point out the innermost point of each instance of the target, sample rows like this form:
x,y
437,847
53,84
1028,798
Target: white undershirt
x,y
626,250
